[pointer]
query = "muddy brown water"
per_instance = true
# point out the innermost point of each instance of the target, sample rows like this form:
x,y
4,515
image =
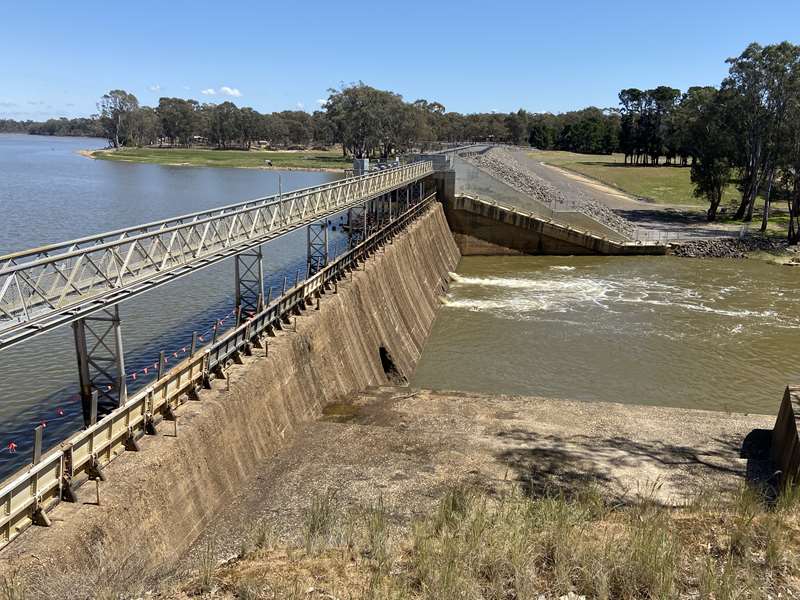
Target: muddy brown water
x,y
710,334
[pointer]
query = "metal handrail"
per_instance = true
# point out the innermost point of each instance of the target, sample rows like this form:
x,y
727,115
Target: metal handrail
x,y
30,492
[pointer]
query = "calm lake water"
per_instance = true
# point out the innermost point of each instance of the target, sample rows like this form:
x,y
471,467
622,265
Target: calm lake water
x,y
711,334
49,193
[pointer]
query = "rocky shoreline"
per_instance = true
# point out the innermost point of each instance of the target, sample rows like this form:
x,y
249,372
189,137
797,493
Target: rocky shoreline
x,y
728,247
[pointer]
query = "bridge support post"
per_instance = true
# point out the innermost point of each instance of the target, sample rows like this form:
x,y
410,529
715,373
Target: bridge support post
x,y
101,360
356,225
317,247
249,268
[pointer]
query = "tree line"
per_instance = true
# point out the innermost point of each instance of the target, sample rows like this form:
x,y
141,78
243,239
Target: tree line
x,y
366,122
82,126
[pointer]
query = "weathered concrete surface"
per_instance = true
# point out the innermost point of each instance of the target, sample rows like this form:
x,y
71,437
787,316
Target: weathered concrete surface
x,y
785,449
481,228
157,501
408,446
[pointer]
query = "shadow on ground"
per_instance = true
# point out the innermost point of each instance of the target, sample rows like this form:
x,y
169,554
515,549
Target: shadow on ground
x,y
549,463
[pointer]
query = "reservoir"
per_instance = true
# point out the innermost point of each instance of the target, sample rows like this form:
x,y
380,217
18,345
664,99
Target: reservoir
x,y
713,334
50,193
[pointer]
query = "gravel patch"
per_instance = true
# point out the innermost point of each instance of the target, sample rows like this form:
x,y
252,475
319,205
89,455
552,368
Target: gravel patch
x,y
503,165
727,247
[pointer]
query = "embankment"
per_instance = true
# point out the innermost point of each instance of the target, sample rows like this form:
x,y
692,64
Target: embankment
x,y
155,502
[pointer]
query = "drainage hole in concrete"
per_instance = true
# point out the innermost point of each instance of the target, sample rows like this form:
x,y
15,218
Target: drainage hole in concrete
x,y
393,374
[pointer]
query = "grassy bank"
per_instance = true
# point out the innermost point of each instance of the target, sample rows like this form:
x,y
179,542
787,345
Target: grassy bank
x,y
666,185
312,159
477,545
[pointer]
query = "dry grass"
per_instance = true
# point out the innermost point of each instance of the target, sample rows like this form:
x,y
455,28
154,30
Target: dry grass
x,y
477,545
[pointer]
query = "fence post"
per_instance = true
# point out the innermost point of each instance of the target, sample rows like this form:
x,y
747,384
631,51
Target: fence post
x,y
37,443
93,408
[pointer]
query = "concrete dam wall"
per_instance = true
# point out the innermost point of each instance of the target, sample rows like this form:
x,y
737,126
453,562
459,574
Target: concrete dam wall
x,y
482,228
155,502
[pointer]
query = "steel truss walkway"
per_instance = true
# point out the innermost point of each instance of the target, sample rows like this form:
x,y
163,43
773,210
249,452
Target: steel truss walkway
x,y
50,286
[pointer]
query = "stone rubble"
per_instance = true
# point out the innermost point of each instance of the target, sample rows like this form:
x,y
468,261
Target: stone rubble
x,y
501,163
727,247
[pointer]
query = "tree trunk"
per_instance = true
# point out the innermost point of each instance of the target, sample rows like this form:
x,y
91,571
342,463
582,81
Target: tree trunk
x,y
765,216
794,213
711,214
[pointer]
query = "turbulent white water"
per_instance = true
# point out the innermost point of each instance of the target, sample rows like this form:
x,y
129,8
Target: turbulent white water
x,y
523,296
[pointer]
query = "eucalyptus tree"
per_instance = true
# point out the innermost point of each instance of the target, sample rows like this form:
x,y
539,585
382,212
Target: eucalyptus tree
x,y
712,145
179,120
223,124
758,80
116,109
354,112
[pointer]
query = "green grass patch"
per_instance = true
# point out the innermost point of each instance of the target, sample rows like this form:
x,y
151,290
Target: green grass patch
x,y
195,157
664,185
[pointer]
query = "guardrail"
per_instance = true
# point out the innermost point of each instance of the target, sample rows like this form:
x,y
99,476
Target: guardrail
x,y
47,287
28,495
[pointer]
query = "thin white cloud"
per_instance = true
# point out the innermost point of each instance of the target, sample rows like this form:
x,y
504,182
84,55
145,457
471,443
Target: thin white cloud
x,y
154,88
300,106
230,91
224,90
7,104
321,101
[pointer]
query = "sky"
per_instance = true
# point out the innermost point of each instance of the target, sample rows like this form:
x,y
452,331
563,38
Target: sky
x,y
58,58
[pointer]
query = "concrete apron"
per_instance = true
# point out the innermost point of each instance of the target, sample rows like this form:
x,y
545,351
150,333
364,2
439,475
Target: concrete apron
x,y
154,503
408,446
